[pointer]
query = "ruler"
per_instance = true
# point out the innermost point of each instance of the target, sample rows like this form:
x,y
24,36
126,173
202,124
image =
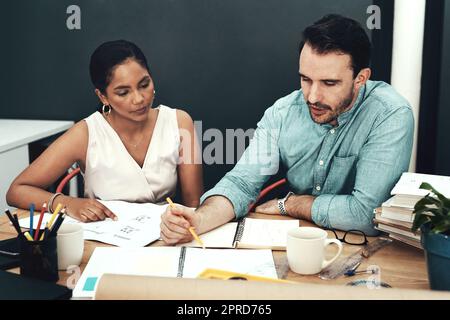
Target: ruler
x,y
344,264
229,275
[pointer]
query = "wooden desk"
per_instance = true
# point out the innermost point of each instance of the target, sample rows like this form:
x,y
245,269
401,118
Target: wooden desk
x,y
401,266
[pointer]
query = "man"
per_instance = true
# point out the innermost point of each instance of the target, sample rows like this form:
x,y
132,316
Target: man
x,y
345,140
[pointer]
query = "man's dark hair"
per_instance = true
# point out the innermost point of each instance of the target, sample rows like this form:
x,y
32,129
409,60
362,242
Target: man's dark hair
x,y
335,33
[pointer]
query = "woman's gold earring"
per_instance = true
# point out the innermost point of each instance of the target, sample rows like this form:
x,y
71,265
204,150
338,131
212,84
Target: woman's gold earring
x,y
106,109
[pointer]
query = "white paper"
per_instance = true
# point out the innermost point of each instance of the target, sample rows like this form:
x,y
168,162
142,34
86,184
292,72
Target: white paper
x,y
251,262
221,237
266,233
409,184
138,224
25,222
154,261
164,262
258,233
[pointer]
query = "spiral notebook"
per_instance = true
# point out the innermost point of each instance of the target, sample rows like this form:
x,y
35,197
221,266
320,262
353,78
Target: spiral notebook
x,y
248,233
176,262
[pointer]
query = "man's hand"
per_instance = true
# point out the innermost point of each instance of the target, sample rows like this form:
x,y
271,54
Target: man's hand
x,y
269,207
297,206
176,221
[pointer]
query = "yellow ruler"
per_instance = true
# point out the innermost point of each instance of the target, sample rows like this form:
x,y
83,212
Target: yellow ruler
x,y
228,275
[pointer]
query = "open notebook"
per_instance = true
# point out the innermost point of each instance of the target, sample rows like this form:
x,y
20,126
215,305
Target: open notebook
x,y
248,233
178,262
138,224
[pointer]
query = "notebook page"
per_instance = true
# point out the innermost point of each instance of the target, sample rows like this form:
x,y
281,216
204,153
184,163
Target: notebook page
x,y
221,237
138,224
253,262
265,233
153,261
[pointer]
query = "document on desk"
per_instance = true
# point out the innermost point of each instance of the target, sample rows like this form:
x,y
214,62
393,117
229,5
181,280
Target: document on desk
x,y
249,233
138,224
181,262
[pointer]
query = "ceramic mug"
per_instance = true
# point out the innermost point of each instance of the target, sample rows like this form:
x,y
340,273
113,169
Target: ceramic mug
x,y
306,249
70,245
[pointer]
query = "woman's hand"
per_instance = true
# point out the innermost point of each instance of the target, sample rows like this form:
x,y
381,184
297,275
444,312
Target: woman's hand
x,y
175,224
88,210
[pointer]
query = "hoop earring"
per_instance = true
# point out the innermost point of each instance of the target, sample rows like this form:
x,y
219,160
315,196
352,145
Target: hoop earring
x,y
154,91
106,109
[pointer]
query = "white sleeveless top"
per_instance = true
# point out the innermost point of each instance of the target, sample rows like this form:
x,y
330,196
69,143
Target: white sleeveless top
x,y
111,173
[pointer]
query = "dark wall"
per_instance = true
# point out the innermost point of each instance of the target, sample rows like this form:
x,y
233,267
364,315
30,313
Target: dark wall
x,y
430,87
223,61
443,136
434,139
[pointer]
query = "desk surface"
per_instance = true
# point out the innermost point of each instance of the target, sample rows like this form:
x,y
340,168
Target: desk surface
x,y
401,266
15,133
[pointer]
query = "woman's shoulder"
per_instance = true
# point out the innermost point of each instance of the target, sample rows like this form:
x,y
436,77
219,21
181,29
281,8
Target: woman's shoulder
x,y
79,131
74,141
183,118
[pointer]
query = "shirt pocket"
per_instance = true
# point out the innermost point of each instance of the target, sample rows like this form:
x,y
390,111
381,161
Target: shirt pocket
x,y
341,177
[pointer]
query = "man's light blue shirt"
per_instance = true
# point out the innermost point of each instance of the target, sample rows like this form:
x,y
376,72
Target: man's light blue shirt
x,y
350,168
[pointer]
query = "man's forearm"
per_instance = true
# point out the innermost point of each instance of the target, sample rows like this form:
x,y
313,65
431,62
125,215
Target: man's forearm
x,y
299,206
214,212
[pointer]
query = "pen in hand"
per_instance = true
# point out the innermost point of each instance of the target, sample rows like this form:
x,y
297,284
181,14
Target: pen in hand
x,y
191,229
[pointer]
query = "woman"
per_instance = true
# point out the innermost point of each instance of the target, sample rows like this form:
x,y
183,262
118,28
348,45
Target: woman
x,y
129,151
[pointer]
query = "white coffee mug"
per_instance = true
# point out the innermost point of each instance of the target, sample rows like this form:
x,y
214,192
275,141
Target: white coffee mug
x,y
70,244
306,249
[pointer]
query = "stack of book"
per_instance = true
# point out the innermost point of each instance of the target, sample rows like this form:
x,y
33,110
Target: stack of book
x,y
395,216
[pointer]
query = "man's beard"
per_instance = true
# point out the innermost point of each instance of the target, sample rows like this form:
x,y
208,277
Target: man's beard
x,y
331,114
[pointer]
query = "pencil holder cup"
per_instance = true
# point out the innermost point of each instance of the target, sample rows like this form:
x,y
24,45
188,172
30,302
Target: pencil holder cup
x,y
39,259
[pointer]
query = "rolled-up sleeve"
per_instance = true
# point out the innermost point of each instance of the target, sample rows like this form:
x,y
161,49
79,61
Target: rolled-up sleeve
x,y
381,161
259,161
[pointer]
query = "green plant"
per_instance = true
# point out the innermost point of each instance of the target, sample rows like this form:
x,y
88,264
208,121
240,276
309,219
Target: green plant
x,y
433,208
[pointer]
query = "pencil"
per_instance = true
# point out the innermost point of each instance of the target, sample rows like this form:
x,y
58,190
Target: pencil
x,y
58,207
31,219
16,219
36,235
58,222
28,236
43,233
13,221
196,237
191,229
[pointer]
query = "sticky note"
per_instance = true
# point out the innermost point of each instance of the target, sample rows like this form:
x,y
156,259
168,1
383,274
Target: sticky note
x,y
89,285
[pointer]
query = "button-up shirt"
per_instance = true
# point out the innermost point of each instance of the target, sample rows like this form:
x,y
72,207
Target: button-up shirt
x,y
349,168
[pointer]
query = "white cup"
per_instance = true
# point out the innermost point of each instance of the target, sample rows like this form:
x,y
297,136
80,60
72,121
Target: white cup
x,y
70,244
306,249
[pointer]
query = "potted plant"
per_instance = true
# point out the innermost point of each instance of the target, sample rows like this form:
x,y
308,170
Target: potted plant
x,y
432,216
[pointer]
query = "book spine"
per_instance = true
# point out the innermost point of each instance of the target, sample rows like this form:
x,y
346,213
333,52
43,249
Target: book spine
x,y
181,262
239,231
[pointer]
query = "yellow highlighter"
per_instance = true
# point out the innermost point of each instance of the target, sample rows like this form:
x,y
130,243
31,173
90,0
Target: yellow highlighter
x,y
191,229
